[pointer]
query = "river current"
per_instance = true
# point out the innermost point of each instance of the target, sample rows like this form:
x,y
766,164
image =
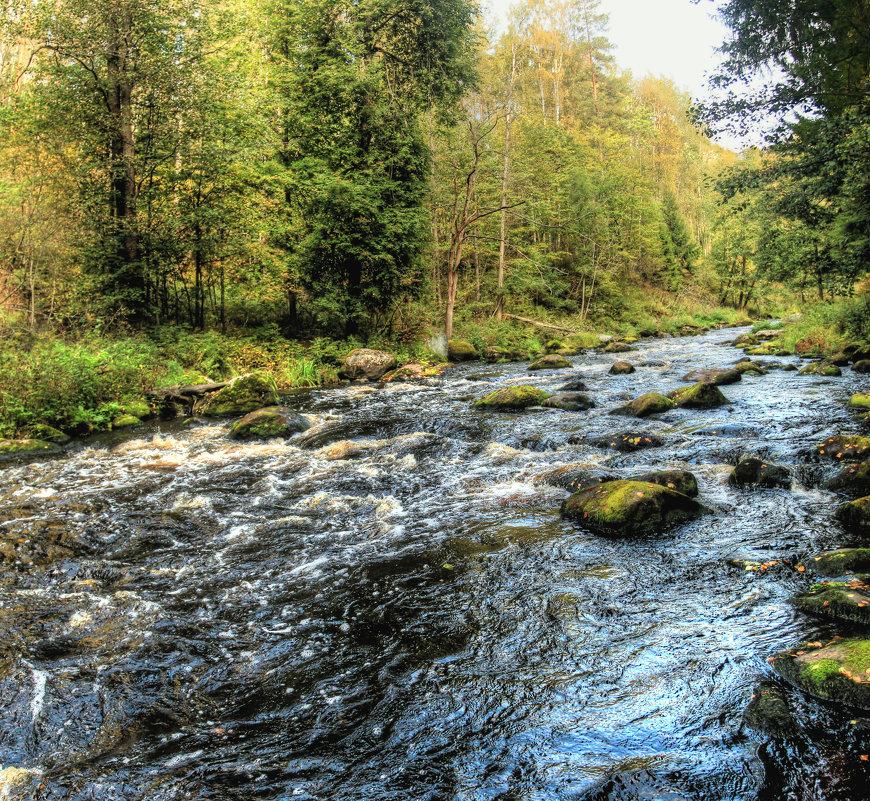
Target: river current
x,y
406,617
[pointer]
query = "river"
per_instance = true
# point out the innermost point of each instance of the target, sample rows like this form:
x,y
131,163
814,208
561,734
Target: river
x,y
232,620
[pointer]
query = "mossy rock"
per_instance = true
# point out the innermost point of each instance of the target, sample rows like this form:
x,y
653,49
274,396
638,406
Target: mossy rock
x,y
840,359
495,353
245,394
551,362
49,434
844,448
856,515
769,713
821,368
627,442
753,472
269,423
511,399
617,347
854,479
717,377
841,600
416,371
842,562
645,405
573,478
569,402
621,368
15,448
744,340
860,400
838,670
630,508
362,363
699,396
125,421
554,346
762,350
137,407
680,480
862,366
460,350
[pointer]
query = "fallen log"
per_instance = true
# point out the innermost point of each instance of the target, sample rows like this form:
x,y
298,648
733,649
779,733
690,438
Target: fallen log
x,y
197,390
540,324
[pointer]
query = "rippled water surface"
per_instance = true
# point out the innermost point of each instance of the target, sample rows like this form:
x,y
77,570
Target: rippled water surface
x,y
414,621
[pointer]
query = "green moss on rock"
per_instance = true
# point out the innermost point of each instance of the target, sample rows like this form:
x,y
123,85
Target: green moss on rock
x,y
49,434
125,421
853,479
645,405
821,368
137,407
856,515
680,480
769,712
15,448
844,448
511,398
617,347
269,423
460,350
551,362
749,367
841,562
849,601
699,396
245,394
860,400
835,671
629,508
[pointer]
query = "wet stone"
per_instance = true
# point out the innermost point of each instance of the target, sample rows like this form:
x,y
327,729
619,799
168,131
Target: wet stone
x,y
862,366
821,368
717,377
753,472
574,385
854,479
848,601
511,399
842,562
627,442
366,363
699,396
617,347
20,448
680,480
569,402
645,405
621,368
768,712
574,478
551,362
269,423
844,448
855,515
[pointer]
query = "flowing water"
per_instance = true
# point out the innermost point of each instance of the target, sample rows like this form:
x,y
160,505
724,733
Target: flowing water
x,y
263,621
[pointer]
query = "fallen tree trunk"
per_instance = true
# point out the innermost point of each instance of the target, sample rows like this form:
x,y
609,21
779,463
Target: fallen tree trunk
x,y
197,390
540,324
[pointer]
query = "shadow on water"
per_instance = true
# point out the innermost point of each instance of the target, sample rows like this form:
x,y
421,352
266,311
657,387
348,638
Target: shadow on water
x,y
389,606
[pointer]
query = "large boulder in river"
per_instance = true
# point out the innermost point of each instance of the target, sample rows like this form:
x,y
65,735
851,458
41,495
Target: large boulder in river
x,y
853,479
748,366
645,405
680,480
717,377
244,394
753,472
842,600
856,515
699,396
15,448
617,347
821,368
269,423
842,562
551,362
862,366
460,350
569,402
511,399
574,385
844,448
630,508
621,368
366,363
838,670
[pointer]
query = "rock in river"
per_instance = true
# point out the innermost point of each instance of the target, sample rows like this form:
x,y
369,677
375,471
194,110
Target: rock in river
x,y
244,394
574,385
821,368
512,398
842,561
645,405
618,347
862,366
856,515
551,362
717,377
13,448
853,479
769,712
844,448
679,480
699,396
621,368
460,350
366,363
626,442
849,601
629,508
753,472
569,402
835,671
268,423
573,477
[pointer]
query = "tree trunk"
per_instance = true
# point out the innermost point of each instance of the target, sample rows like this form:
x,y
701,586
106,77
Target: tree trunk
x,y
502,240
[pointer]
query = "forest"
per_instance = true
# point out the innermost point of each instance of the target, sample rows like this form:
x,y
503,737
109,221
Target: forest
x,y
207,186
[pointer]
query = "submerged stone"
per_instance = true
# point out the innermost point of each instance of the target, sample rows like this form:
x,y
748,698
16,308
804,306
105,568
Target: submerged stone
x,y
844,448
856,515
680,480
245,394
628,508
769,713
551,362
460,350
366,363
621,368
269,423
849,601
842,562
821,368
753,472
645,405
835,671
569,402
512,398
699,396
854,479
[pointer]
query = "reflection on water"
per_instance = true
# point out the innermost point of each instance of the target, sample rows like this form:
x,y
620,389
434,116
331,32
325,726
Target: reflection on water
x,y
391,608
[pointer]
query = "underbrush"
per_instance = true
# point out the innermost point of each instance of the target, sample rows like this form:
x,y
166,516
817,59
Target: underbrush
x,y
828,327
